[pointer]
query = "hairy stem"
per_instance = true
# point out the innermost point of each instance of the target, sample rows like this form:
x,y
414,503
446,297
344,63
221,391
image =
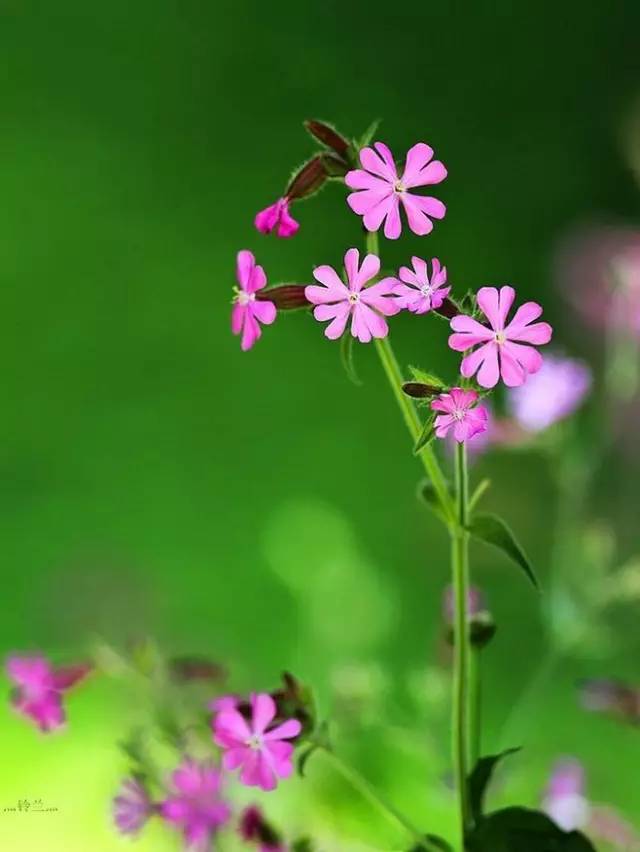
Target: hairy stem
x,y
461,716
368,792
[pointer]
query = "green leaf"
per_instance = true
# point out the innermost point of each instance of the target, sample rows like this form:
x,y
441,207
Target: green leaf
x,y
477,495
426,378
303,759
302,844
522,830
346,356
368,135
427,492
426,436
435,842
494,531
480,778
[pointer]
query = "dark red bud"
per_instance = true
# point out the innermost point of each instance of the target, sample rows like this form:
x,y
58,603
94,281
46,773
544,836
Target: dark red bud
x,y
335,166
196,668
308,179
286,297
448,309
418,390
328,136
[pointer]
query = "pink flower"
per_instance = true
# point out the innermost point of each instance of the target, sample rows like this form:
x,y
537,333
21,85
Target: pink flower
x,y
502,353
196,806
565,801
337,302
262,753
277,217
39,688
460,411
420,293
379,190
248,311
132,807
554,393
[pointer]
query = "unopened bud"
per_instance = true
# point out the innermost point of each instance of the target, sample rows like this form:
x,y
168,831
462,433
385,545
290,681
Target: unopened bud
x,y
286,297
307,180
448,309
325,134
418,390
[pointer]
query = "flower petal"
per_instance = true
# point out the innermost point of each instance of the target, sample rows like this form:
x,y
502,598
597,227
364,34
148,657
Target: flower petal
x,y
393,225
379,162
263,311
244,268
420,169
470,333
485,360
420,210
496,304
375,216
286,731
264,710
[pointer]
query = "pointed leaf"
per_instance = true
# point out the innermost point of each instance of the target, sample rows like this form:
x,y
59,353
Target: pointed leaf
x,y
425,378
479,493
493,530
368,135
346,356
480,778
427,492
426,436
523,830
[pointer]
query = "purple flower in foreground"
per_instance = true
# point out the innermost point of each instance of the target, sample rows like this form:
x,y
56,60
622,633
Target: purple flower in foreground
x,y
420,292
365,306
277,218
380,190
504,349
132,807
460,413
195,805
261,751
565,801
40,687
248,312
552,394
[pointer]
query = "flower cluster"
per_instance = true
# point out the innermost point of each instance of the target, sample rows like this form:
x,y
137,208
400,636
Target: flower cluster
x,y
39,688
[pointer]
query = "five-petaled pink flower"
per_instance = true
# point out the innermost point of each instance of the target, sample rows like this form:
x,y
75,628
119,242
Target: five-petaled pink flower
x,y
503,351
39,688
195,805
277,218
459,410
262,752
337,302
248,311
420,293
379,190
132,807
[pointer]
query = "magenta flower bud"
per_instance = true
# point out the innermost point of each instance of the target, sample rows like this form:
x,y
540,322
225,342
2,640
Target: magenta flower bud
x,y
132,807
286,297
328,136
308,179
277,218
419,390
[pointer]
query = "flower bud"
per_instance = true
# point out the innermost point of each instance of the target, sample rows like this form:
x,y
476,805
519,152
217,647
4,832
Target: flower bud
x,y
482,627
329,137
418,390
307,180
448,309
286,297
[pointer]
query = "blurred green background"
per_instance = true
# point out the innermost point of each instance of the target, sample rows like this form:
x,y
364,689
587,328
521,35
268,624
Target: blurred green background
x,y
258,507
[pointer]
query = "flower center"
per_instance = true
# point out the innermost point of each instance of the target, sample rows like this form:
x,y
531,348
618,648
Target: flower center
x,y
426,290
500,337
398,187
354,298
459,413
244,298
255,742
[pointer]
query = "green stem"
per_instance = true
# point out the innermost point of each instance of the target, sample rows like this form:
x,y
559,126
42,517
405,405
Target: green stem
x,y
475,707
368,792
460,570
408,411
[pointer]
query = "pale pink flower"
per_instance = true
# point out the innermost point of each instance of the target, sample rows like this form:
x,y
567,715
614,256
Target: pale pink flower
x,y
248,310
277,218
420,293
503,351
380,190
132,807
262,752
459,410
195,805
39,688
565,800
555,392
337,301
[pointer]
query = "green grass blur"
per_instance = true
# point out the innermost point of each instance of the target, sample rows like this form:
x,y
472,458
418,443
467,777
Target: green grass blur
x,y
257,507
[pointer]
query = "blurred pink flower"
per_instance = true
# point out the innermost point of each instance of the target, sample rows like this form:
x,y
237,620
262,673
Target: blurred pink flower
x,y
337,302
277,218
460,412
39,688
420,293
248,312
379,190
132,807
565,801
224,702
476,603
262,753
598,270
552,394
255,829
502,352
195,805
